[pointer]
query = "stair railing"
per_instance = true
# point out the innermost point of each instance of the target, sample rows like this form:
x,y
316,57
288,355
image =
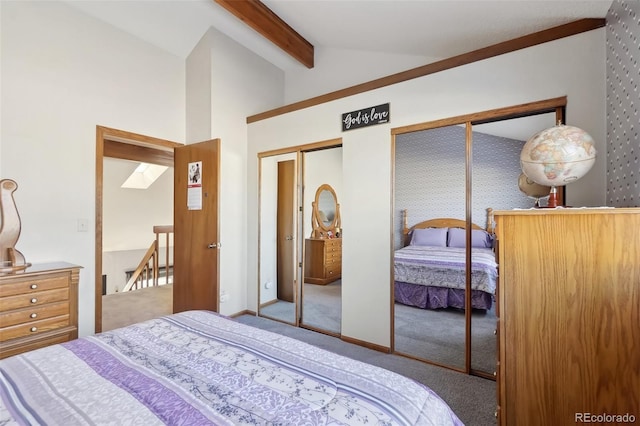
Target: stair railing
x,y
148,269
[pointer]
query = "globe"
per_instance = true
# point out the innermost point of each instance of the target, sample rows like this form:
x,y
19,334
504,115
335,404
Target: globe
x,y
531,189
558,155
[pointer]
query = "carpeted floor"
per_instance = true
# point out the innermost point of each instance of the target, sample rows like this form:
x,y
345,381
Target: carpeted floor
x,y
120,309
321,307
433,335
439,336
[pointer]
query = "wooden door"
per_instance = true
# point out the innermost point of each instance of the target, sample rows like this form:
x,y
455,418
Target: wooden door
x,y
285,231
196,225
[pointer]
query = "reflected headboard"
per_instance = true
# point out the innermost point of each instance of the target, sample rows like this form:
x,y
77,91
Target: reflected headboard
x,y
442,222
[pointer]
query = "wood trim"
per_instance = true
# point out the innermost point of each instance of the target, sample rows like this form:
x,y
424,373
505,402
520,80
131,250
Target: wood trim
x,y
258,16
130,138
302,148
540,37
489,116
143,154
133,141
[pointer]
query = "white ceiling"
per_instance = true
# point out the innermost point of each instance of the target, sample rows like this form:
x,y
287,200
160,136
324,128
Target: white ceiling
x,y
428,28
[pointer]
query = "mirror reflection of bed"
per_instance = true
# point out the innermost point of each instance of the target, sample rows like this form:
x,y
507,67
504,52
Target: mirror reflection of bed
x,y
430,285
430,181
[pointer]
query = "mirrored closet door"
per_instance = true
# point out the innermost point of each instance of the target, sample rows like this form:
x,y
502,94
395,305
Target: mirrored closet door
x,y
278,244
443,199
497,184
429,175
322,229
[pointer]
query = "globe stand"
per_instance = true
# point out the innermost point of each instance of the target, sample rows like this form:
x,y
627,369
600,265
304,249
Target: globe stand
x,y
553,198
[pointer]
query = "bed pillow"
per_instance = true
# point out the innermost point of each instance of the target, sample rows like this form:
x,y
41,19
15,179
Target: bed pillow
x,y
479,238
435,237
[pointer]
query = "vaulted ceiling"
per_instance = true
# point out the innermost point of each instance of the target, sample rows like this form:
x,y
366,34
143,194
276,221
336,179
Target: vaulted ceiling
x,y
430,29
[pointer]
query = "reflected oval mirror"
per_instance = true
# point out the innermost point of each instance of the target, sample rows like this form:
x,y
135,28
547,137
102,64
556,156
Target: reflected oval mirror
x,y
326,212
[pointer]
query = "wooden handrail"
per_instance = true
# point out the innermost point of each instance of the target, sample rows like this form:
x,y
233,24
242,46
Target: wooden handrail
x,y
143,272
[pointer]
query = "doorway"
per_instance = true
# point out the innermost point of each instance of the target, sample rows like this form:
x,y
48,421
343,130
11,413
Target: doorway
x,y
119,144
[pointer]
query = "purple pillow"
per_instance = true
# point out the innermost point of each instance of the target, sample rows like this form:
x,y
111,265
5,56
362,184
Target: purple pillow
x,y
479,238
435,237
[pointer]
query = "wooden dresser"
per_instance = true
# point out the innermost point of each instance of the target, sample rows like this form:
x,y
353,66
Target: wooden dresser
x,y
38,307
323,260
569,316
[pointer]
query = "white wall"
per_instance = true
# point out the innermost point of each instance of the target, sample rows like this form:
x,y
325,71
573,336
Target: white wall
x,y
536,73
63,73
129,215
239,84
334,69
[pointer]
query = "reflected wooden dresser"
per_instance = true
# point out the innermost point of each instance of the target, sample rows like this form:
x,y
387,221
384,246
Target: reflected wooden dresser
x,y
323,260
569,309
38,307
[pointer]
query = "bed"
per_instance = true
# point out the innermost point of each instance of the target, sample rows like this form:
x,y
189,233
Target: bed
x,y
430,269
199,368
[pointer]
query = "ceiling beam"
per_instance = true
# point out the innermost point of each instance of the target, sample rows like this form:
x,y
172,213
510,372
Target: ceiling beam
x,y
262,19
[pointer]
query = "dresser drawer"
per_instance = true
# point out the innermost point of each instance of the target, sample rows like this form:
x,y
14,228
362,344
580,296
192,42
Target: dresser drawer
x,y
38,307
34,299
332,271
26,285
333,255
35,313
332,243
33,328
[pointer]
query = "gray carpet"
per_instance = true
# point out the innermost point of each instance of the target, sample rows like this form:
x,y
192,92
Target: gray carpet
x,y
472,398
433,335
439,336
321,307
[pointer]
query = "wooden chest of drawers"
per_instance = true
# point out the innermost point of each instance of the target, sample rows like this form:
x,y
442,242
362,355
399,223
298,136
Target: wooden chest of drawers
x,y
323,260
38,307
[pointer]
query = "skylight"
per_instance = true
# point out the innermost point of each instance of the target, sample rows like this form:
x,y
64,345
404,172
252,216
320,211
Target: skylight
x,y
143,176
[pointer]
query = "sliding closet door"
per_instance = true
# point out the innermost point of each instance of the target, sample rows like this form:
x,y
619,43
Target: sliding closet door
x,y
278,255
496,181
430,183
321,307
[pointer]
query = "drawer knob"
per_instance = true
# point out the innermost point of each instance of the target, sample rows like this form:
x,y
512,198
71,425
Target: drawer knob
x,y
34,329
495,374
33,315
34,286
34,300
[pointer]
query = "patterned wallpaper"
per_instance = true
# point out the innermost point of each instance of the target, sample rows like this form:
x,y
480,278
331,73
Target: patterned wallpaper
x,y
623,104
430,176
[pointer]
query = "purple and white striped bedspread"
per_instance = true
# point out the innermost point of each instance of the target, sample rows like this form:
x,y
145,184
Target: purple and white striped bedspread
x,y
445,267
199,368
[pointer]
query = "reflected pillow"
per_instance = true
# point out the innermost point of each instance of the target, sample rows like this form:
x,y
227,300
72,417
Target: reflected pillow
x,y
435,237
479,238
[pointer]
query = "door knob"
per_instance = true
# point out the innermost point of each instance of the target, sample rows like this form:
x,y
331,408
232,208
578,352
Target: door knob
x,y
213,245
289,237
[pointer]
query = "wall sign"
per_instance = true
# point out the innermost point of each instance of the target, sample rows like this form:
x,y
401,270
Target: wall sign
x,y
366,117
